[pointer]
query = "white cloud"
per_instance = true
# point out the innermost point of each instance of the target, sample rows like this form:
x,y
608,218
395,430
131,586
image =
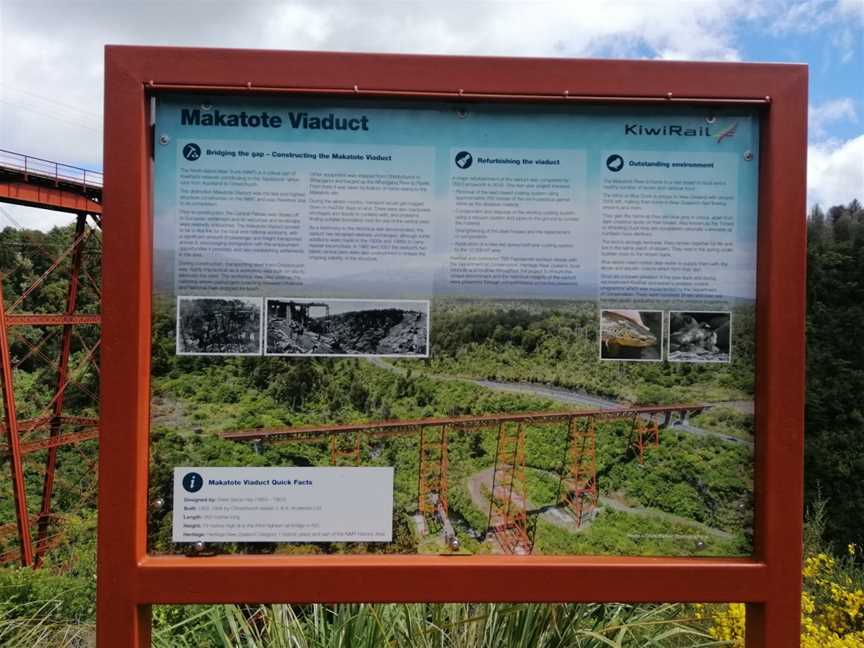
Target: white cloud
x,y
853,8
846,42
835,168
829,112
51,53
806,16
812,15
835,172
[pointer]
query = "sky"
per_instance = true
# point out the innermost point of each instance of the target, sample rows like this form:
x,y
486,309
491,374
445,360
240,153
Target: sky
x,y
51,55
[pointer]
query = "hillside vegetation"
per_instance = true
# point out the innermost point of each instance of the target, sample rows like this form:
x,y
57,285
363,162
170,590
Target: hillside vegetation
x,y
685,483
556,343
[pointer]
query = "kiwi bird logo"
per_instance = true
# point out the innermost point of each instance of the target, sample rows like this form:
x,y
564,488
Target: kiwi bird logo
x,y
727,132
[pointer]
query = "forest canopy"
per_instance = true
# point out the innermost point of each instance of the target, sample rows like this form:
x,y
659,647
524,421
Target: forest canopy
x,y
834,442
835,358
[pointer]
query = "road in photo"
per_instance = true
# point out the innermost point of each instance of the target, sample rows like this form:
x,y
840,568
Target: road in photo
x,y
218,326
347,327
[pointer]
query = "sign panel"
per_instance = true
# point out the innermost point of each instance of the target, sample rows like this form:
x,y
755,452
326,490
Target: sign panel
x,y
555,303
283,504
588,381
623,206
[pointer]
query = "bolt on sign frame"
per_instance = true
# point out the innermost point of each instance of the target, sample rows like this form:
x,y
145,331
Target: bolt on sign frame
x,y
130,580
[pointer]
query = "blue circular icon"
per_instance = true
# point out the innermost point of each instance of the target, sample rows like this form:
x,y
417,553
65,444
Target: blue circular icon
x,y
192,151
615,163
192,482
463,159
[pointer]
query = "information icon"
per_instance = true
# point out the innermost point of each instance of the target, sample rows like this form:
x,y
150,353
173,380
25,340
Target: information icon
x,y
192,151
464,159
615,163
192,482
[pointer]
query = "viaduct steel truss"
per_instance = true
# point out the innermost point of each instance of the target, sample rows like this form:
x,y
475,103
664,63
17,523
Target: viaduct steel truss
x,y
508,519
41,183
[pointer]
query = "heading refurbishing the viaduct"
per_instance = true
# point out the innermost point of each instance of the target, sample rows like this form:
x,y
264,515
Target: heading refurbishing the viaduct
x,y
34,182
508,513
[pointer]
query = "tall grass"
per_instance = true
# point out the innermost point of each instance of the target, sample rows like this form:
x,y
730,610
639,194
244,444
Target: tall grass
x,y
38,625
458,625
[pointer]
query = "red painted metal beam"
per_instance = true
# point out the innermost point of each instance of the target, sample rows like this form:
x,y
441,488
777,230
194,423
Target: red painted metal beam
x,y
56,173
79,420
46,319
22,192
72,249
50,185
457,422
49,543
7,557
13,429
54,442
28,425
12,527
62,373
13,442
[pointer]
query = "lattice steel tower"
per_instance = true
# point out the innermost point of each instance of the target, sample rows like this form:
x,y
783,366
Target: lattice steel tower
x,y
57,350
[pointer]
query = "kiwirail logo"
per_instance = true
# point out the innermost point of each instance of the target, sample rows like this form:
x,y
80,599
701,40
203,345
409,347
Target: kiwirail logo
x,y
669,130
727,132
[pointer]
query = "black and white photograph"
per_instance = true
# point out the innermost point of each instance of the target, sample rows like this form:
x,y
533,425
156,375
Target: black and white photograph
x,y
347,327
219,326
631,335
696,336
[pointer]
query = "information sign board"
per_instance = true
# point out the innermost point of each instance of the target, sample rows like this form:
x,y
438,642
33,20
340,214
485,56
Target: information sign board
x,y
526,319
283,504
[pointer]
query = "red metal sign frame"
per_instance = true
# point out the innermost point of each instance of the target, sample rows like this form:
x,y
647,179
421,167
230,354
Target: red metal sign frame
x,y
130,580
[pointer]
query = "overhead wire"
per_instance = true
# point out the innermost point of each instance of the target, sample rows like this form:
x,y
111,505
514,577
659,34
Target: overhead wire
x,y
63,104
